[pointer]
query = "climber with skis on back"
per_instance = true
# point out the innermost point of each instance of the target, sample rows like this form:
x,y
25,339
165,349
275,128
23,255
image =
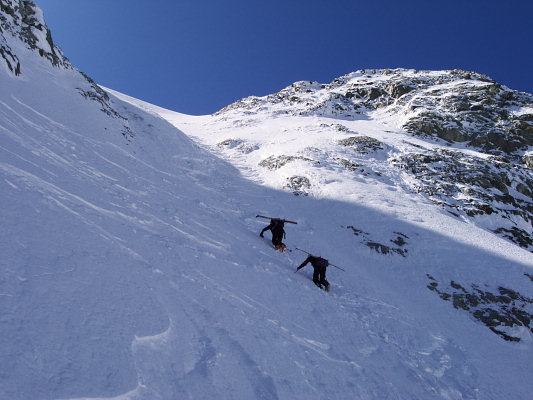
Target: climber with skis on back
x,y
278,233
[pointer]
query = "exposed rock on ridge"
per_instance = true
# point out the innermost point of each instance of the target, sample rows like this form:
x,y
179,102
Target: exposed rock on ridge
x,y
23,29
456,106
24,20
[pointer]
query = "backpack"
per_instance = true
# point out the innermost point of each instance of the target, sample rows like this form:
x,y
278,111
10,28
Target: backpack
x,y
322,262
277,222
277,226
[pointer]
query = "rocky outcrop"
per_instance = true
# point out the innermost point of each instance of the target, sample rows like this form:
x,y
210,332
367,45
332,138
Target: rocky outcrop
x,y
11,60
397,245
475,113
362,144
22,27
349,165
22,19
473,186
96,93
298,185
502,311
276,162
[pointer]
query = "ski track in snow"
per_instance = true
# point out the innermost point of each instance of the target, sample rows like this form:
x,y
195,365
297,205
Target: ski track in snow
x,y
132,268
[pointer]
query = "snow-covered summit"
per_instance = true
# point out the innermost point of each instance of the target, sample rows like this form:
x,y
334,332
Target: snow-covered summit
x,y
458,137
455,105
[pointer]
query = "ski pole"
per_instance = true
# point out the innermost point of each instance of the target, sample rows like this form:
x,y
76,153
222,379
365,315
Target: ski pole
x,y
284,220
328,260
303,251
333,265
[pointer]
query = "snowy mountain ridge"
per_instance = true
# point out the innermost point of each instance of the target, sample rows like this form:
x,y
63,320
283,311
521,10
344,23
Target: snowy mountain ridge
x,y
131,265
474,156
23,29
456,106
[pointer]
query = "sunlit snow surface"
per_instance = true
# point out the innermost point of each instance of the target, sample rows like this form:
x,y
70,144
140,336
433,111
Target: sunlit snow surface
x,y
132,267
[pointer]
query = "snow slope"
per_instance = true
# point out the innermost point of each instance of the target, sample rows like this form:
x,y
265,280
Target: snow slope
x,y
131,265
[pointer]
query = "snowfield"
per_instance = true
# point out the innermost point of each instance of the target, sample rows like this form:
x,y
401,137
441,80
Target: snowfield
x,y
131,265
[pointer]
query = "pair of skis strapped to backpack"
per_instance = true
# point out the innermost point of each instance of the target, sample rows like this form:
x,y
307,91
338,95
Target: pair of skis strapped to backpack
x,y
272,218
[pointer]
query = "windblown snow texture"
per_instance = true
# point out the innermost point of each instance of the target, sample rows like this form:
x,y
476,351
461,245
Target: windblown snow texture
x,y
131,265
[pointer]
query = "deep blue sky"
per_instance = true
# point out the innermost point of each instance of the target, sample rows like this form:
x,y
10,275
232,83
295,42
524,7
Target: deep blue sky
x,y
196,56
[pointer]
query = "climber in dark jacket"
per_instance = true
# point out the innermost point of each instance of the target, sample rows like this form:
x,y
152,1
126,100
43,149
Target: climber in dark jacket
x,y
278,233
319,274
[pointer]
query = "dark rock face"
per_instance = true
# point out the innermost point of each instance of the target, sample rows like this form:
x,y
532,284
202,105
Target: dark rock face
x,y
476,115
500,311
7,13
11,60
23,19
517,235
473,186
30,24
399,242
